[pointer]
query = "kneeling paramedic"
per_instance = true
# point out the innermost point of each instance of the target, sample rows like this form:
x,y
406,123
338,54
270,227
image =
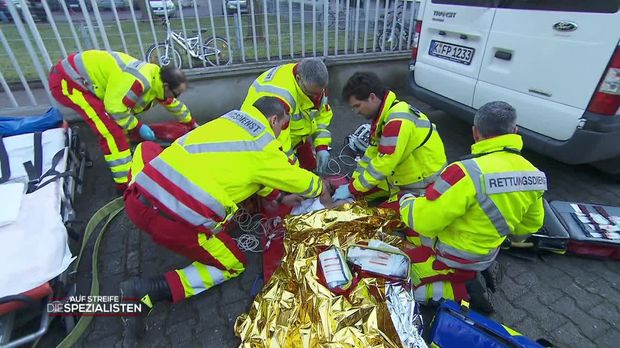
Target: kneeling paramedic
x,y
182,196
301,87
405,154
108,90
472,207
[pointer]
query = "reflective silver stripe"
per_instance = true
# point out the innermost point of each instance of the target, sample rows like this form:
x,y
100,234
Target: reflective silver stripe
x,y
310,188
185,113
195,280
81,67
421,184
232,146
388,141
322,126
441,186
364,182
125,122
374,172
74,76
481,262
175,109
286,95
119,175
419,294
120,161
297,117
120,116
409,205
447,249
131,95
427,242
437,290
486,204
419,122
189,187
323,135
365,159
271,73
245,121
216,274
167,199
133,68
322,130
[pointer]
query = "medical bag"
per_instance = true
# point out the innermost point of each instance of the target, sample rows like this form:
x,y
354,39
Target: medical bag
x,y
456,326
593,229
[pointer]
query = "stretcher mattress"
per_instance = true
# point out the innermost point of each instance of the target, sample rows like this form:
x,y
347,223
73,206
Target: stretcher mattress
x,y
33,246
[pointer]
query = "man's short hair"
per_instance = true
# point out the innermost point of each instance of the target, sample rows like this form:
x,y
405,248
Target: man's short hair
x,y
173,76
495,118
361,84
269,106
313,72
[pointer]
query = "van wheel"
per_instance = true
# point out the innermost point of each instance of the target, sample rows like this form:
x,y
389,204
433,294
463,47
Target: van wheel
x,y
611,167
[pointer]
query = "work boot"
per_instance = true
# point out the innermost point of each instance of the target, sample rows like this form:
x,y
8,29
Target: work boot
x,y
157,290
478,296
493,276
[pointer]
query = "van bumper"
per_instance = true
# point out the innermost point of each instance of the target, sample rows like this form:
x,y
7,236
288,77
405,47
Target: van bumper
x,y
597,138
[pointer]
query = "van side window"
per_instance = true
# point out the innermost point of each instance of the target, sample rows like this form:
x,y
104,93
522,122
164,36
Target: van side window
x,y
596,6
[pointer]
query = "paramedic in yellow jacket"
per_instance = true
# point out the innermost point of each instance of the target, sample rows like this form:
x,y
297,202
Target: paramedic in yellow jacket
x,y
405,152
182,196
468,212
302,88
108,90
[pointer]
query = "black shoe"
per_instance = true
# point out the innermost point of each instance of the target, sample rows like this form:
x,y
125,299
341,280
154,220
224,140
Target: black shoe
x,y
148,292
493,276
478,296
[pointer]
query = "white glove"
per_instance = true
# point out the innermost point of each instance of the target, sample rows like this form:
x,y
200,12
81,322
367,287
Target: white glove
x,y
342,193
322,159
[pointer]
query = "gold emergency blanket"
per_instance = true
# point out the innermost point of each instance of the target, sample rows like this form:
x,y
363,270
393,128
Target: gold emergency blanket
x,y
295,310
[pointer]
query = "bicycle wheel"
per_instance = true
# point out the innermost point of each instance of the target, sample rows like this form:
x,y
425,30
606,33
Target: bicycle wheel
x,y
157,54
391,41
217,48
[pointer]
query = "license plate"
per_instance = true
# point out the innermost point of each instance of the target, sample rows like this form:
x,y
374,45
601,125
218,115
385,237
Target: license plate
x,y
455,53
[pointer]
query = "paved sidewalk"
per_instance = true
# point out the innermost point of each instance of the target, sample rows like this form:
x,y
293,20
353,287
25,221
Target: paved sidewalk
x,y
572,301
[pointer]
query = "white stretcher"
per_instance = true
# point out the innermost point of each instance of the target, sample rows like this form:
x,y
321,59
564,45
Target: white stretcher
x,y
40,175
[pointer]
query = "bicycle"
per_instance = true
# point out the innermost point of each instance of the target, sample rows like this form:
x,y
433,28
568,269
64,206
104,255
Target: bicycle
x,y
212,51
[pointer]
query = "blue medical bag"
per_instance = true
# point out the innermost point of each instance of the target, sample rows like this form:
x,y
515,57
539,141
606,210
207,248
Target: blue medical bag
x,y
456,326
15,125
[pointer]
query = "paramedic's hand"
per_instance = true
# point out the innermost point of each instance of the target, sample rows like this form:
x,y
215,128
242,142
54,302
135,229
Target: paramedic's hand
x,y
147,133
322,159
342,192
292,200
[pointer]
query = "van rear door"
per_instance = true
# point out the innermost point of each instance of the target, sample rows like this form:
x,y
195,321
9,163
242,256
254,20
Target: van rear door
x,y
547,58
452,41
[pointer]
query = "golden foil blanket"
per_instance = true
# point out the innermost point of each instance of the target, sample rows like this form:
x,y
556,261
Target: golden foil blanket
x,y
295,310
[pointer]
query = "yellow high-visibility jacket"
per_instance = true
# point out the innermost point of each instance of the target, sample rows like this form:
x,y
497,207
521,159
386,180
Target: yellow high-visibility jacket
x,y
126,85
202,176
468,212
405,150
308,118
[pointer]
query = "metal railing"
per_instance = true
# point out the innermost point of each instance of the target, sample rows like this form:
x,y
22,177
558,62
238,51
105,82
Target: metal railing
x,y
199,34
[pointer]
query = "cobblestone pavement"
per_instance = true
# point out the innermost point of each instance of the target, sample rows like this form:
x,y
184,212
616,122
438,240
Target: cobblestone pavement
x,y
572,301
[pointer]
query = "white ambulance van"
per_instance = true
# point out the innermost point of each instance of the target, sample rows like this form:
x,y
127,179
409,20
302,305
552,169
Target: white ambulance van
x,y
556,61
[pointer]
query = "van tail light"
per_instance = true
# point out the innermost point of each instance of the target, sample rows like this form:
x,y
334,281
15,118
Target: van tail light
x,y
415,40
606,99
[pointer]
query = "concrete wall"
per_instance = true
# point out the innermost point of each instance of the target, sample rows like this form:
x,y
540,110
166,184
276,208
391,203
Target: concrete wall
x,y
216,91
